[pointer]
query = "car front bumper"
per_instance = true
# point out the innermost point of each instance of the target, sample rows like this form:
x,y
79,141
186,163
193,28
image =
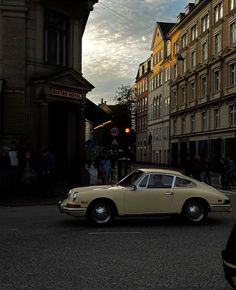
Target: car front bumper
x,y
221,207
76,212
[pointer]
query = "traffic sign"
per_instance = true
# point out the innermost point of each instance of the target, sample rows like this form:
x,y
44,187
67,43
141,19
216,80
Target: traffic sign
x,y
115,131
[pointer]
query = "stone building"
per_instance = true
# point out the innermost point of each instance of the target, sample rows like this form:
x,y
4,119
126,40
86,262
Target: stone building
x,y
203,92
42,90
141,92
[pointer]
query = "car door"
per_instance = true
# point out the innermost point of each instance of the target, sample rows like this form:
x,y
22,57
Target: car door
x,y
150,197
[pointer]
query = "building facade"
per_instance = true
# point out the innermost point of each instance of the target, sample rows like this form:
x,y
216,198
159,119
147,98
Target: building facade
x,y
203,92
159,95
200,52
141,92
42,89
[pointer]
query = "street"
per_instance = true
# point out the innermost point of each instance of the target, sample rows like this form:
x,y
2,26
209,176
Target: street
x,y
42,249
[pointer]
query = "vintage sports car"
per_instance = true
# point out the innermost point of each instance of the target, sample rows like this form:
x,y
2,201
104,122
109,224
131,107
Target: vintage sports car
x,y
146,192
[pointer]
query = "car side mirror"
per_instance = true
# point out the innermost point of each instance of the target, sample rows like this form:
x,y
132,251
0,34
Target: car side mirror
x,y
133,187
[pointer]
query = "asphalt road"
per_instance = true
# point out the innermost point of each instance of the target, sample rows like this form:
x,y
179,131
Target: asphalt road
x,y
42,249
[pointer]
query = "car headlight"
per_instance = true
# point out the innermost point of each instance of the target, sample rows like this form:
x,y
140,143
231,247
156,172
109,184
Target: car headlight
x,y
69,193
75,194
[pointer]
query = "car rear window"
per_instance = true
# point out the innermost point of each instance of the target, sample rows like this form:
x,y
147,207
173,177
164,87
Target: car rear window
x,y
182,182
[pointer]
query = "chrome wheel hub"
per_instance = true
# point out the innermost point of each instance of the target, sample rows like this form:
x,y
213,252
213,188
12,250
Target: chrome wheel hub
x,y
101,214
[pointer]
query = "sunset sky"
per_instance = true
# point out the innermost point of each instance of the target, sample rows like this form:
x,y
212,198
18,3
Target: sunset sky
x,y
118,38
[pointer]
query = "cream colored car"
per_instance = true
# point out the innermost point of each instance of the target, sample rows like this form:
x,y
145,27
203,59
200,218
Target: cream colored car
x,y
146,192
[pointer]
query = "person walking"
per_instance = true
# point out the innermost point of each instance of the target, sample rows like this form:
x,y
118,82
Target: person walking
x,y
207,171
105,169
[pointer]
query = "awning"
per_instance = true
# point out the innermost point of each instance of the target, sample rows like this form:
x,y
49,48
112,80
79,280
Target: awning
x,y
95,114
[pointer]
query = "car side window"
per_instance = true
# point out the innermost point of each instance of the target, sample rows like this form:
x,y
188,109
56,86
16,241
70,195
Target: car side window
x,y
160,181
143,182
181,182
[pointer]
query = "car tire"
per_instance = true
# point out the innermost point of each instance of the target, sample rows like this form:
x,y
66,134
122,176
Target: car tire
x,y
195,212
101,213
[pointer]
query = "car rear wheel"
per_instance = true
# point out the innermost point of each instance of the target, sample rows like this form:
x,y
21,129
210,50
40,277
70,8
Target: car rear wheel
x,y
101,213
195,212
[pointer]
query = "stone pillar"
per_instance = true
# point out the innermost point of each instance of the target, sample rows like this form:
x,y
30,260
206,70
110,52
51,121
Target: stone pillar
x,y
44,126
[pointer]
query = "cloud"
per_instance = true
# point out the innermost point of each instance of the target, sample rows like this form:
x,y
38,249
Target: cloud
x,y
118,38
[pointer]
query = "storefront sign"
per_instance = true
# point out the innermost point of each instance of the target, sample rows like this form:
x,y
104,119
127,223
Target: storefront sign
x,y
66,94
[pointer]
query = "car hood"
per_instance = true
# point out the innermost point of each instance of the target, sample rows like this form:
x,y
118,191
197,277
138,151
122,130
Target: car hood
x,y
96,188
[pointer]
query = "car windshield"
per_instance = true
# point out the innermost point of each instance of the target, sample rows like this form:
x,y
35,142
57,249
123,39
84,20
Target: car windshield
x,y
131,178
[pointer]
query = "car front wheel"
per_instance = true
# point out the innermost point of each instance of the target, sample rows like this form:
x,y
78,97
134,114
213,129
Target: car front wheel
x,y
195,212
101,213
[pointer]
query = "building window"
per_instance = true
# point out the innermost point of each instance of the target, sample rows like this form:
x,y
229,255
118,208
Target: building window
x,y
232,115
192,90
193,58
174,127
218,11
194,32
167,74
56,31
182,95
175,71
232,4
204,121
174,99
217,42
193,123
216,80
232,30
184,40
204,51
216,118
203,86
176,47
232,74
183,125
205,23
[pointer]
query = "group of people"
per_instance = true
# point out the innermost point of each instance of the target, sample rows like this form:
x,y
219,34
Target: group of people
x,y
203,171
102,169
19,169
227,173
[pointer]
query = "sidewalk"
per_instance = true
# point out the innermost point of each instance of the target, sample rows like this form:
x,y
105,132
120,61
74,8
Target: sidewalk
x,y
61,188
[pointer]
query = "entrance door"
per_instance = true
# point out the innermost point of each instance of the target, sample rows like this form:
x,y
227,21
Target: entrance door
x,y
58,124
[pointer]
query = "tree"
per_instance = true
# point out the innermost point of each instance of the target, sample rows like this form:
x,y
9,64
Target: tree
x,y
123,96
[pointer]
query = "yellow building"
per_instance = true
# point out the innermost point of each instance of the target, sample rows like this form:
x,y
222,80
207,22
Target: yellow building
x,y
159,95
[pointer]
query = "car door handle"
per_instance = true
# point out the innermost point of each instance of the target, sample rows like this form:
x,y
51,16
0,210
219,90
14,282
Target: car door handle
x,y
169,193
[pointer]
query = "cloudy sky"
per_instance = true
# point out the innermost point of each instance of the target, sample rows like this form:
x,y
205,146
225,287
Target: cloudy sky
x,y
118,38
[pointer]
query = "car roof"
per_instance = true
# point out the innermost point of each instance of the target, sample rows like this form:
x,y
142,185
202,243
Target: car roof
x,y
161,171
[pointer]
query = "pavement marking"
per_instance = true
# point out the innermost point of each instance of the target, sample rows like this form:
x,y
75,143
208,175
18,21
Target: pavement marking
x,y
112,233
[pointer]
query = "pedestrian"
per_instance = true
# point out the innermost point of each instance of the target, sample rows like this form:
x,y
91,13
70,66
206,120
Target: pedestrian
x,y
223,173
48,171
207,171
231,172
14,161
93,173
105,169
28,174
97,165
5,166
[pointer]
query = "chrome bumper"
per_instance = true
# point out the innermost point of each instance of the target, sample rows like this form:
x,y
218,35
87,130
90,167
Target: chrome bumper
x,y
221,207
77,212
